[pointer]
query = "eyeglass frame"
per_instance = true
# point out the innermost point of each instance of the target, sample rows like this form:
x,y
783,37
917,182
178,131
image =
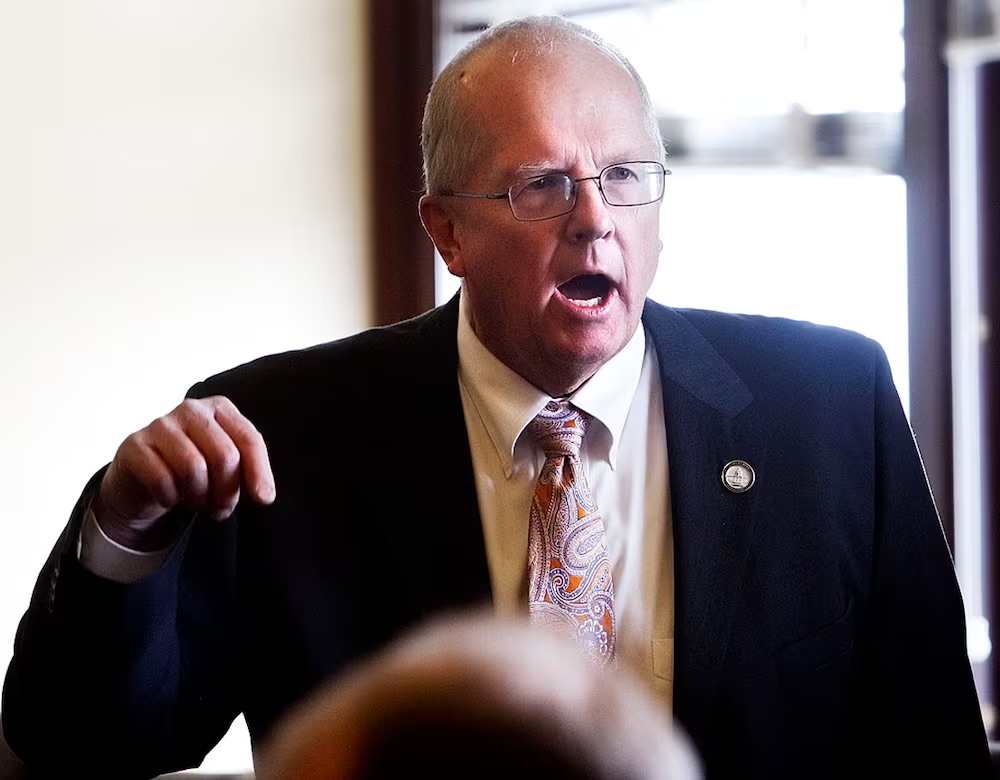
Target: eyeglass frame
x,y
576,189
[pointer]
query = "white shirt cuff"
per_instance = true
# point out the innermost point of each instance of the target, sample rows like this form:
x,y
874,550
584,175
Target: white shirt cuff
x,y
108,559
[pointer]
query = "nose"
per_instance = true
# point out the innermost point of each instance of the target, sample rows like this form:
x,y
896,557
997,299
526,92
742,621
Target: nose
x,y
590,219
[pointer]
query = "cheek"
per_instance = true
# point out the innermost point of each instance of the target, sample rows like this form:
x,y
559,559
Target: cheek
x,y
642,253
519,262
500,278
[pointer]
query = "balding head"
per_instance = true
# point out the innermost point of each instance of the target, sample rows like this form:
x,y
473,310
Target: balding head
x,y
508,699
455,126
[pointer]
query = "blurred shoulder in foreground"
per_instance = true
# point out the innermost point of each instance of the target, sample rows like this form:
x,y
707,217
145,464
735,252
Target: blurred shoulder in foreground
x,y
474,695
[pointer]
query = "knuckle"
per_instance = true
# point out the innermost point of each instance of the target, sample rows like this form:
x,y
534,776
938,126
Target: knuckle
x,y
192,471
128,449
223,512
221,403
192,411
159,428
256,436
244,440
228,459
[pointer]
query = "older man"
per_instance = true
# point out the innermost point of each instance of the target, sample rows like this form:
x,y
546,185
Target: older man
x,y
780,580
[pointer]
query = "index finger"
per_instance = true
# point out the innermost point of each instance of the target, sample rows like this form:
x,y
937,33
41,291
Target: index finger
x,y
254,461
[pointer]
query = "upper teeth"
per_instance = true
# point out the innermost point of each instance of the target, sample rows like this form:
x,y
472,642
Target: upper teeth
x,y
588,302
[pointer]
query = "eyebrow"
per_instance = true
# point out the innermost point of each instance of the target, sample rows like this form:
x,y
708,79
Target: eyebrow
x,y
527,170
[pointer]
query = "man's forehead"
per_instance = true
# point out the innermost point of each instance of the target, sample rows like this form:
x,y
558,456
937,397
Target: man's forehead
x,y
537,107
581,76
517,58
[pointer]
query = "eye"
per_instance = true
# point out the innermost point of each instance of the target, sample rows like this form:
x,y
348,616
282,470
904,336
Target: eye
x,y
544,183
621,173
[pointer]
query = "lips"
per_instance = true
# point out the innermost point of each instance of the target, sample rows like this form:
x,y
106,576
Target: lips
x,y
587,290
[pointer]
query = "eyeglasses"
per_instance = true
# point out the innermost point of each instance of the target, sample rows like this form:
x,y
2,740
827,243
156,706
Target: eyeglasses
x,y
554,194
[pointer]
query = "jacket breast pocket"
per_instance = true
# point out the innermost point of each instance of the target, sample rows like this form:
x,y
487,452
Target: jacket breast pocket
x,y
817,685
801,714
822,648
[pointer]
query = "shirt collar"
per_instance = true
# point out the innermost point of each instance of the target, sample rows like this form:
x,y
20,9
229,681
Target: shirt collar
x,y
506,402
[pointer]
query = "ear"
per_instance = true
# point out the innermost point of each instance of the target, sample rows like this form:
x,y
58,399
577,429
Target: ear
x,y
440,223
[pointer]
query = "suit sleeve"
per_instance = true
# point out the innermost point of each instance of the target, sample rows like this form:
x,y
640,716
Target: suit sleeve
x,y
926,712
134,680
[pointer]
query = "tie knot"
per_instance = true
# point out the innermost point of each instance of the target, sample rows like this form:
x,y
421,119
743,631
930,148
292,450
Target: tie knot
x,y
559,429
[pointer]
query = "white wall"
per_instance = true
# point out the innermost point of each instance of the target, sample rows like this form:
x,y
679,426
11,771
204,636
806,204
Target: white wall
x,y
182,188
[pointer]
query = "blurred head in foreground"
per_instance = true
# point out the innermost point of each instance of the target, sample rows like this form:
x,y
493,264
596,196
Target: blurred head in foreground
x,y
477,696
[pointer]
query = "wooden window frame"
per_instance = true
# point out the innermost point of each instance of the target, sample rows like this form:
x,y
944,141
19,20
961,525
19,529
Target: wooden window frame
x,y
402,38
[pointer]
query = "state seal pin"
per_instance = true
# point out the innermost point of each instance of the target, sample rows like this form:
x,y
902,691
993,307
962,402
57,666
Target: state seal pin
x,y
738,476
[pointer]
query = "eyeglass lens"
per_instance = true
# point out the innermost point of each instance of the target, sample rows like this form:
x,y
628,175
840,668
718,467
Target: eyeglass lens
x,y
627,184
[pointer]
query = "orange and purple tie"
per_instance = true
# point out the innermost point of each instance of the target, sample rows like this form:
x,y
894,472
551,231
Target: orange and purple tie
x,y
569,573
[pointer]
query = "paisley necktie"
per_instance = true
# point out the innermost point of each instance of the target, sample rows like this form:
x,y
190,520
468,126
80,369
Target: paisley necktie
x,y
569,573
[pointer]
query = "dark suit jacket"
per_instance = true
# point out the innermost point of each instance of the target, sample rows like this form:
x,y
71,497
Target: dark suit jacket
x,y
819,629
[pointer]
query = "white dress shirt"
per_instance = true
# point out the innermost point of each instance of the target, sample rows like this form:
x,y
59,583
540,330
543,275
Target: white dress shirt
x,y
625,457
624,453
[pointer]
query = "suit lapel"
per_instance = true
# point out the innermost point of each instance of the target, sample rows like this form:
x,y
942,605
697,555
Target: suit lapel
x,y
439,545
710,420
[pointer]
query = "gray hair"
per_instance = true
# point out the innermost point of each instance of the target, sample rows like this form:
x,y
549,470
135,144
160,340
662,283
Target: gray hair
x,y
451,139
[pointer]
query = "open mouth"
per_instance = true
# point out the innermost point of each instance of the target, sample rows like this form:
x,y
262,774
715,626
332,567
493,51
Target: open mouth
x,y
587,290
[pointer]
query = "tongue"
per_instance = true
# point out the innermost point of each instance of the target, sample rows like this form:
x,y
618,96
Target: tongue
x,y
585,287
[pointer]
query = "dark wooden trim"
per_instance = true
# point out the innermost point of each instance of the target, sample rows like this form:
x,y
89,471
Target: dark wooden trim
x,y
401,44
926,170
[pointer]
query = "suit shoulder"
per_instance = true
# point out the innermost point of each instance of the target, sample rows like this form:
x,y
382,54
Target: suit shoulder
x,y
374,357
775,332
763,349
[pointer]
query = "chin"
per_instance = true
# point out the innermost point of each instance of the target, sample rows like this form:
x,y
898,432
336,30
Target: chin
x,y
574,367
590,351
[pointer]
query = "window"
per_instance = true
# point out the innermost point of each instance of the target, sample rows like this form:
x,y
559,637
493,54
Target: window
x,y
783,123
